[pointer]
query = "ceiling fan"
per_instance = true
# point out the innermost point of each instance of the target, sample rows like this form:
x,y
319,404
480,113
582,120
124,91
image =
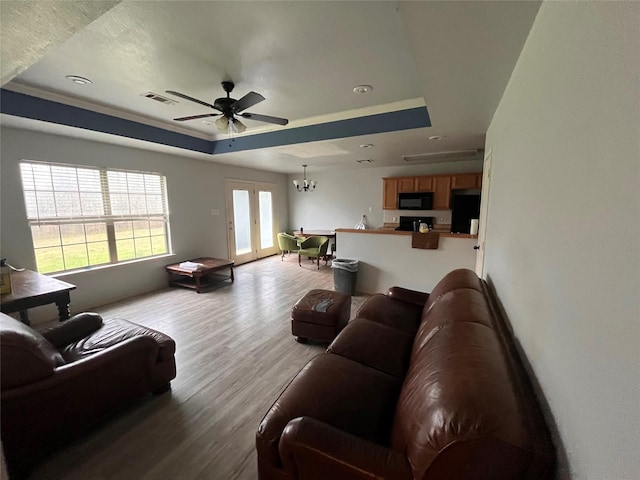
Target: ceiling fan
x,y
229,108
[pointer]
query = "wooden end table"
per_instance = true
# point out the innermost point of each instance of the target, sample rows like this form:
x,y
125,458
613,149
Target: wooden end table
x,y
32,289
200,279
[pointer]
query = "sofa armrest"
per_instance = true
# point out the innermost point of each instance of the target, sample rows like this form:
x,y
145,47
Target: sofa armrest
x,y
313,450
408,296
73,329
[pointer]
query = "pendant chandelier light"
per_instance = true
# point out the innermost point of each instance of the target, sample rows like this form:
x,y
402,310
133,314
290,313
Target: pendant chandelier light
x,y
306,185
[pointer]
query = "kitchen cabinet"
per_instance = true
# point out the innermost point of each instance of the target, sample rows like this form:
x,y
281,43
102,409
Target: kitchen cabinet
x,y
467,180
424,184
442,192
389,193
440,185
406,184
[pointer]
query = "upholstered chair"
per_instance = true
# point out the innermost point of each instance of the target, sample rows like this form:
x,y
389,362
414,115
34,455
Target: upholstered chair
x,y
58,383
287,243
314,247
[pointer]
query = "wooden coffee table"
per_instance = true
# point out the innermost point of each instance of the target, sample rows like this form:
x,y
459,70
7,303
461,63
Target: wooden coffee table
x,y
200,279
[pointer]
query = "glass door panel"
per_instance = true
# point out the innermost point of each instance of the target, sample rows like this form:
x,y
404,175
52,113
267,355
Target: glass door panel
x,y
242,222
266,219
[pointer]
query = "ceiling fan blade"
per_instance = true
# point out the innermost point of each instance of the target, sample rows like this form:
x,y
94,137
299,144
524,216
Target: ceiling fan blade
x,y
249,100
265,118
187,97
193,117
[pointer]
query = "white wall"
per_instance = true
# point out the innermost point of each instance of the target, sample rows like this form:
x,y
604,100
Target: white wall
x,y
343,195
194,188
563,233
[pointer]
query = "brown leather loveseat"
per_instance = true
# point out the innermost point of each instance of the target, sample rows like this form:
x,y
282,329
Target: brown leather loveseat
x,y
58,383
417,386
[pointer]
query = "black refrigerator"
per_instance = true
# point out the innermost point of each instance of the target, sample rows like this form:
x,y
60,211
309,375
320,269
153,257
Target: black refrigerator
x,y
463,209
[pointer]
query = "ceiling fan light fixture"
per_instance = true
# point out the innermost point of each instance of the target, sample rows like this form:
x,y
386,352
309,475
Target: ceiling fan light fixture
x,y
223,124
238,126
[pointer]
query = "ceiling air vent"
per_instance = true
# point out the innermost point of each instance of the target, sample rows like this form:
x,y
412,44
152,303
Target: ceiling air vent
x,y
159,98
437,157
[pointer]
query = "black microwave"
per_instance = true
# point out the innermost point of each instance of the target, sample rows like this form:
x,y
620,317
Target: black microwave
x,y
415,201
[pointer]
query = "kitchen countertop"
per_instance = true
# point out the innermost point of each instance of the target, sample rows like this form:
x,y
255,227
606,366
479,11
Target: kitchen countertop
x,y
386,231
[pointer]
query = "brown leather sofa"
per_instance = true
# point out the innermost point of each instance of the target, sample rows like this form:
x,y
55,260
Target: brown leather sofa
x,y
58,383
417,386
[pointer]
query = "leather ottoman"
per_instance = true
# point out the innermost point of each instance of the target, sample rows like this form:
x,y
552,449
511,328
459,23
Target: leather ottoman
x,y
320,315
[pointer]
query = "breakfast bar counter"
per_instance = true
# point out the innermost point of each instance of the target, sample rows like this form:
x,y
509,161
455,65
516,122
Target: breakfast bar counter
x,y
386,258
387,231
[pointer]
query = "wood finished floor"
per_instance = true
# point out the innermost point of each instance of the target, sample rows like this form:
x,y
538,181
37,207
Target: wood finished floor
x,y
235,354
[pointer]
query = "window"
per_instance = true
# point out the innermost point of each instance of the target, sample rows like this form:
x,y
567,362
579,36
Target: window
x,y
86,216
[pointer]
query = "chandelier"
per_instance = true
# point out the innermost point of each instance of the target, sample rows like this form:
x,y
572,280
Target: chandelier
x,y
306,185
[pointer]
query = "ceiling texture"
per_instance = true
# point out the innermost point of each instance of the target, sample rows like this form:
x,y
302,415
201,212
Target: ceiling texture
x,y
435,68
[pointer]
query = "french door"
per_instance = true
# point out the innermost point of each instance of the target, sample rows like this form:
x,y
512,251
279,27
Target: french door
x,y
250,220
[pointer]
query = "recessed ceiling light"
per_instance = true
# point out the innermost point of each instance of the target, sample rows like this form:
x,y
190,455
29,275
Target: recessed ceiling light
x,y
363,88
78,80
435,137
366,145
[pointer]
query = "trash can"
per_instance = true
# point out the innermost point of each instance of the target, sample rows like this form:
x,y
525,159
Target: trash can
x,y
345,273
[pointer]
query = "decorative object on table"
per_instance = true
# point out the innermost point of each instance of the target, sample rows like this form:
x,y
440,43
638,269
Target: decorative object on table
x,y
306,185
191,266
424,228
5,277
361,225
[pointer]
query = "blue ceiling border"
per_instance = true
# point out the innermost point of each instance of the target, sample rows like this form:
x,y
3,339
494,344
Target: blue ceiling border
x,y
21,105
417,117
27,106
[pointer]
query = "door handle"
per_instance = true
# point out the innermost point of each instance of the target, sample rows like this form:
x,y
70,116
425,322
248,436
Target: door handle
x,y
476,247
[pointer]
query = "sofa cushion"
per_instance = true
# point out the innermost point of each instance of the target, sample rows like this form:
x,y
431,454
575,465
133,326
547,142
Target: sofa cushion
x,y
394,313
26,355
376,345
461,278
113,332
332,389
456,306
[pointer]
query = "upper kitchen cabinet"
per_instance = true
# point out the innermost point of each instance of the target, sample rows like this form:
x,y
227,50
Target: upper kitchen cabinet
x,y
467,180
440,185
442,192
389,193
424,184
406,184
